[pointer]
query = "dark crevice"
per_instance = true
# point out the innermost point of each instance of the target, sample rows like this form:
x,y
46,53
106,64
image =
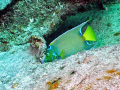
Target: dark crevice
x,y
65,26
50,37
96,6
61,29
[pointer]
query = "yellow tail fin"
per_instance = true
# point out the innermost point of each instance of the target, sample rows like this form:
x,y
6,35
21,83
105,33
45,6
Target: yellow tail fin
x,y
89,34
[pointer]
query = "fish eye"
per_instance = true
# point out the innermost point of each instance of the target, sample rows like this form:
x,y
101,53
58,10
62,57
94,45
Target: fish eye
x,y
49,47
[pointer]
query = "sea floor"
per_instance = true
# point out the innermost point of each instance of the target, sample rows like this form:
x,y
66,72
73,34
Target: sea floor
x,y
96,69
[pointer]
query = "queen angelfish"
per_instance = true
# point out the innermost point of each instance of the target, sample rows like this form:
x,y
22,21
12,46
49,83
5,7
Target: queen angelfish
x,y
71,42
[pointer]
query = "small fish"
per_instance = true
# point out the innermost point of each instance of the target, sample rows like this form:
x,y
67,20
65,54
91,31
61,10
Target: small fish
x,y
71,42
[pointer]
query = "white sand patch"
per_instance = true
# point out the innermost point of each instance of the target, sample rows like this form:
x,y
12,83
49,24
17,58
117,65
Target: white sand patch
x,y
21,71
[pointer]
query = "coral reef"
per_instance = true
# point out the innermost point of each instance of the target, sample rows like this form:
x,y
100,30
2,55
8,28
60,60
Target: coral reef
x,y
26,18
36,17
38,46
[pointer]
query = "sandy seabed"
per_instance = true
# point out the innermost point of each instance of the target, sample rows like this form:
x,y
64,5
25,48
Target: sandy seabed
x,y
98,69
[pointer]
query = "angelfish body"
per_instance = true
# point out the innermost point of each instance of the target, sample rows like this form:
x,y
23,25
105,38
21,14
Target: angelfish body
x,y
70,42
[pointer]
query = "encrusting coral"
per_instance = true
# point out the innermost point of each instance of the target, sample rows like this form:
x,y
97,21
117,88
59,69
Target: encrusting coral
x,y
38,46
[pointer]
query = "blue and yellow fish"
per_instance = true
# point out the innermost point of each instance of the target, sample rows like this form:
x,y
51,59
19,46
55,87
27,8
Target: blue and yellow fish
x,y
71,42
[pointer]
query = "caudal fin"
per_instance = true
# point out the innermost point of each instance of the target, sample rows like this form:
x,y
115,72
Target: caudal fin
x,y
89,34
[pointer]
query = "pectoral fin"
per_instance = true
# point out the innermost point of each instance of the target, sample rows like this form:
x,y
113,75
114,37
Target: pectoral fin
x,y
62,54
